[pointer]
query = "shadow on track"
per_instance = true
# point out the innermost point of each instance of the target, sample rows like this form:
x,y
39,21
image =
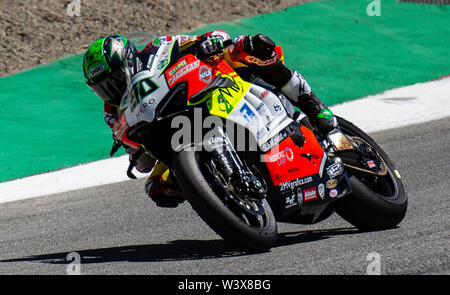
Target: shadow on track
x,y
179,249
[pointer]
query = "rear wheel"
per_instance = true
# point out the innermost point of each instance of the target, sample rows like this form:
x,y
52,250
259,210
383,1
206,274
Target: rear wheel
x,y
248,224
377,201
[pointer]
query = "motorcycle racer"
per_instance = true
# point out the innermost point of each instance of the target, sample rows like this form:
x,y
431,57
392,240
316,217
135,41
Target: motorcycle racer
x,y
250,56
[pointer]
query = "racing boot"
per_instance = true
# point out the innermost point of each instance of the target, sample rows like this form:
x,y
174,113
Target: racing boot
x,y
301,95
161,188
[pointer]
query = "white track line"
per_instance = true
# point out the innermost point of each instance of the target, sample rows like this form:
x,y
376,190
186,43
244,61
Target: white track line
x,y
399,107
82,176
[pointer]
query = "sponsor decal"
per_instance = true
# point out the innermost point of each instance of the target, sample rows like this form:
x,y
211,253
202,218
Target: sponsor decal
x,y
95,71
332,183
276,107
264,112
290,201
247,113
274,141
177,67
289,154
260,106
205,74
276,157
129,53
371,164
335,169
299,197
259,62
162,63
109,118
183,71
310,194
333,193
224,105
321,190
264,94
233,91
290,185
281,157
144,107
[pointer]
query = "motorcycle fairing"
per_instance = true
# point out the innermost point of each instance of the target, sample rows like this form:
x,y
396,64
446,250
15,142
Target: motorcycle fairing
x,y
148,87
288,161
248,105
301,172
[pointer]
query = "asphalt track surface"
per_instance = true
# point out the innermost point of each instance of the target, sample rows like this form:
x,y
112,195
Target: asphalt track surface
x,y
118,230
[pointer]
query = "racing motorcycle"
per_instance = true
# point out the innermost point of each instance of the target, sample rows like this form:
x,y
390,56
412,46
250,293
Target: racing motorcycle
x,y
279,169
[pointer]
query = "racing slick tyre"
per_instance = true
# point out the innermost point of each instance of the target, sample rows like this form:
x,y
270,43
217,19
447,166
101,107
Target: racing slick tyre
x,y
376,202
254,231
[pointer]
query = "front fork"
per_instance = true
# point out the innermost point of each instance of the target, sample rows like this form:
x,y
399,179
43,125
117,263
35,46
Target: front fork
x,y
235,173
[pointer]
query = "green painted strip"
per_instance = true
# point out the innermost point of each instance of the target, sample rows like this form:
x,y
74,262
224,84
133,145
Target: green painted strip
x,y
51,120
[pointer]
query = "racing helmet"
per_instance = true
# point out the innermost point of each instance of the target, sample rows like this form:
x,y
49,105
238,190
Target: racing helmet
x,y
104,66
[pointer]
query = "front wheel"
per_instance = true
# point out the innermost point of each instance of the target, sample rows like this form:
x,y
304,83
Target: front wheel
x,y
250,226
377,201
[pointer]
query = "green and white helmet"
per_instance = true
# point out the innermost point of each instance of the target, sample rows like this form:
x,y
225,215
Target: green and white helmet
x,y
104,66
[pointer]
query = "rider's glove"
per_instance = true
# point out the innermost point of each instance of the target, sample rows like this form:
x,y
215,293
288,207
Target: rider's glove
x,y
211,45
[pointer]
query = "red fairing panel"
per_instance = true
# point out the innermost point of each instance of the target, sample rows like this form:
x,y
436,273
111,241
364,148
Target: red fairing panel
x,y
120,132
287,161
192,70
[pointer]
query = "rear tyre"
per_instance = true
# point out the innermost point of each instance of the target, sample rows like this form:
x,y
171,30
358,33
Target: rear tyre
x,y
250,232
376,202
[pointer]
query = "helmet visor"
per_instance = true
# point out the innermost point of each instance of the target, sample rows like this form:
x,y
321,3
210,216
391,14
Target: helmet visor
x,y
112,88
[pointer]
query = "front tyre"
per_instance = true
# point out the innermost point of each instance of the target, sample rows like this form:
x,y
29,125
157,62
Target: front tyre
x,y
376,202
251,232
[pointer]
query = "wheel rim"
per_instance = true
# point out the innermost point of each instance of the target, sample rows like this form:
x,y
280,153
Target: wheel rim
x,y
250,212
384,185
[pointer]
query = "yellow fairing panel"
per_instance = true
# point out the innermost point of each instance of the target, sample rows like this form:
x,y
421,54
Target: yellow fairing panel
x,y
224,100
